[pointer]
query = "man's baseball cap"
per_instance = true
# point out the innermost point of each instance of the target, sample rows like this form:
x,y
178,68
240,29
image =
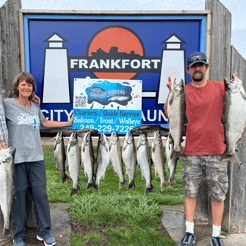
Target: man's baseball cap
x,y
196,57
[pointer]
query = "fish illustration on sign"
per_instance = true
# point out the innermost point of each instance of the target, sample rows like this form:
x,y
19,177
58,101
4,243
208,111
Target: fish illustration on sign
x,y
107,92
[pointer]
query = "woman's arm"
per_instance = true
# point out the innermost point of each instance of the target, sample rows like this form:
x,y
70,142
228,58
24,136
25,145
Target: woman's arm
x,y
49,123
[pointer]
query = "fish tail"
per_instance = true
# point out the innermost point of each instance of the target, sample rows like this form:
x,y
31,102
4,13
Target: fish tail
x,y
231,157
172,180
148,190
6,232
224,156
164,185
91,185
182,153
131,185
122,184
76,191
64,178
176,154
97,187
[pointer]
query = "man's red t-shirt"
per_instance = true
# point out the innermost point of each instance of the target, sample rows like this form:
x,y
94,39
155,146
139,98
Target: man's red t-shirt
x,y
204,109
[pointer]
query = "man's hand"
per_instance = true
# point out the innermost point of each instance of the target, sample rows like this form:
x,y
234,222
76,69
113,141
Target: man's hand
x,y
36,99
169,83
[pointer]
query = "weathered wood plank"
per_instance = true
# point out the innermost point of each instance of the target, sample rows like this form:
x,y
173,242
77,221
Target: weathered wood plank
x,y
234,220
9,45
116,12
220,40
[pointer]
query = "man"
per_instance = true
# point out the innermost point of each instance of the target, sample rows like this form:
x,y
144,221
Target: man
x,y
204,146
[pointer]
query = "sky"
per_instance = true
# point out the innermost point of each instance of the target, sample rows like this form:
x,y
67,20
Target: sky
x,y
236,7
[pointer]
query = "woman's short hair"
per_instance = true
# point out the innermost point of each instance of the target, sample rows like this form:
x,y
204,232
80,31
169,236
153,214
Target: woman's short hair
x,y
21,77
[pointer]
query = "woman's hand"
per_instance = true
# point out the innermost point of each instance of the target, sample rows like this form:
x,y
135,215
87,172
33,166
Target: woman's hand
x,y
2,145
36,99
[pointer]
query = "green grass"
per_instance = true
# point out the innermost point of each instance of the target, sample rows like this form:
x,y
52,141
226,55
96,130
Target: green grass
x,y
137,236
115,209
131,218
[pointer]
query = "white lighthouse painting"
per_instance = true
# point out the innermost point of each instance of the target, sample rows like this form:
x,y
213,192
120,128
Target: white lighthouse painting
x,y
56,87
173,64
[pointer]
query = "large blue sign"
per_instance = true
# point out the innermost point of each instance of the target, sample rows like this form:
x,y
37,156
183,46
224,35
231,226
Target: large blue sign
x,y
60,48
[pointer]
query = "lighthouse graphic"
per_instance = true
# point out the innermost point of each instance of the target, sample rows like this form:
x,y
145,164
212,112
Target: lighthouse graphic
x,y
56,88
172,64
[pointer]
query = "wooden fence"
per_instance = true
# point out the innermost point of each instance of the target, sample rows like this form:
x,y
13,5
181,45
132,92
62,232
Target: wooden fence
x,y
224,61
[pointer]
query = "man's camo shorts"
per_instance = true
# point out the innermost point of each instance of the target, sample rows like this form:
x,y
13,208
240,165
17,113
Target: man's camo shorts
x,y
209,167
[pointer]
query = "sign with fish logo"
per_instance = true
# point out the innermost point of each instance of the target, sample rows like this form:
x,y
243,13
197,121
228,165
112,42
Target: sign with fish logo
x,y
145,47
107,105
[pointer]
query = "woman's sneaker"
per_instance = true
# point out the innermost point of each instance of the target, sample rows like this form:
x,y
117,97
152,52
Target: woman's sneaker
x,y
48,239
19,242
216,241
188,240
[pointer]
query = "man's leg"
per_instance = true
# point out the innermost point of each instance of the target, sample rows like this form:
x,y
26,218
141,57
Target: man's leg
x,y
218,186
217,211
191,176
189,206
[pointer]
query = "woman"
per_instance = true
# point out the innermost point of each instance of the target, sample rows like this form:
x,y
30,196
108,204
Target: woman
x,y
23,119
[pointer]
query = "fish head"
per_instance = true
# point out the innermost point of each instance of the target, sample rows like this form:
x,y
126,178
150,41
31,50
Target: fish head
x,y
232,86
237,80
7,155
87,138
178,88
157,137
114,138
129,138
59,137
103,141
142,139
73,140
102,138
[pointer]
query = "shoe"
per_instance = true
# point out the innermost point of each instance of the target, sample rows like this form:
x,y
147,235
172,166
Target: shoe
x,y
188,240
216,241
48,239
19,242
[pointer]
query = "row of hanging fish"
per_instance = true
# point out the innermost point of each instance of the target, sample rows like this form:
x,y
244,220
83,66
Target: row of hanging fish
x,y
110,152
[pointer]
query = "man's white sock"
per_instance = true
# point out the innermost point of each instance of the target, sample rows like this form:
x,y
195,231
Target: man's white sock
x,y
189,227
216,231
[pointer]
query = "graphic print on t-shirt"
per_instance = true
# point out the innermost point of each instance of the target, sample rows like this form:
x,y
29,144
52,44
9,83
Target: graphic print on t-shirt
x,y
25,118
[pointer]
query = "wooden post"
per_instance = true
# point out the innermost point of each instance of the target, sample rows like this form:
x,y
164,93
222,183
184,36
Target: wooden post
x,y
9,45
220,55
234,220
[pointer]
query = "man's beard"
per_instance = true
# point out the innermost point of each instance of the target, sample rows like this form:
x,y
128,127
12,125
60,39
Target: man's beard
x,y
198,79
